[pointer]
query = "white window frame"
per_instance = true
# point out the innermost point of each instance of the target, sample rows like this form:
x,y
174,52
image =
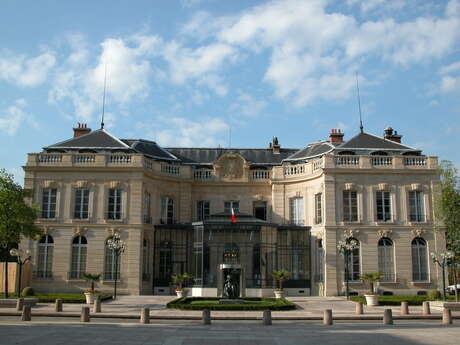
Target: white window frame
x,y
296,211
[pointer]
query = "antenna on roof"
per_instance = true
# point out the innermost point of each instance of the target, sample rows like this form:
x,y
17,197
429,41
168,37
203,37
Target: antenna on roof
x,y
229,137
359,105
103,97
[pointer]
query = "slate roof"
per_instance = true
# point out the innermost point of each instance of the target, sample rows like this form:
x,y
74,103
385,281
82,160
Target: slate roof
x,y
368,141
312,150
210,155
149,148
98,139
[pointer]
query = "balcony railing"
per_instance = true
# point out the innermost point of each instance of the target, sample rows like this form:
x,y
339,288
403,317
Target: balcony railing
x,y
347,160
42,274
260,174
202,174
170,169
382,161
75,275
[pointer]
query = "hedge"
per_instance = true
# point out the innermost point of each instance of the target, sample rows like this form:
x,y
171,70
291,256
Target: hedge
x,y
212,303
395,300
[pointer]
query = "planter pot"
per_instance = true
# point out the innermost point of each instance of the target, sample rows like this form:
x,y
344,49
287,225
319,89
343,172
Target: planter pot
x,y
372,300
279,293
180,293
90,297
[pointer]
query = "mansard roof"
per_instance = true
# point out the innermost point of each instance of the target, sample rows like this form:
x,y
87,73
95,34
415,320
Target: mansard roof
x,y
368,141
210,155
98,139
311,151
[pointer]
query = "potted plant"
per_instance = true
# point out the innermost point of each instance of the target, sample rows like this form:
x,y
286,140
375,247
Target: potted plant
x,y
370,278
280,276
179,280
91,293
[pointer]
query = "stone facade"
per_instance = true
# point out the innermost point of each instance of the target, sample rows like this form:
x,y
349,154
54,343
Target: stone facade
x,y
144,180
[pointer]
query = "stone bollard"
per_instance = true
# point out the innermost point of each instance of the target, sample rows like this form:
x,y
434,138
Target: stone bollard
x,y
145,315
84,317
426,308
267,317
404,308
58,305
446,316
387,317
359,308
26,313
327,317
19,304
97,305
206,317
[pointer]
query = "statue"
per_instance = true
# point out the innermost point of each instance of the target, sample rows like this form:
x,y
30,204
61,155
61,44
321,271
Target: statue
x,y
230,289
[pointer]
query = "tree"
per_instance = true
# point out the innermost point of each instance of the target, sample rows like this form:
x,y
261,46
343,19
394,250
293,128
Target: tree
x,y
371,278
180,279
92,279
280,276
17,218
447,211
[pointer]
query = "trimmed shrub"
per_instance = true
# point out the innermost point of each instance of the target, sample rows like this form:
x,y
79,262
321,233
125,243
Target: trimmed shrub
x,y
212,303
27,292
434,295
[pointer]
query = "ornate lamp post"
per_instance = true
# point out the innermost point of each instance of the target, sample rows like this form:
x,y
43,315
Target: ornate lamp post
x,y
346,248
443,259
22,257
117,246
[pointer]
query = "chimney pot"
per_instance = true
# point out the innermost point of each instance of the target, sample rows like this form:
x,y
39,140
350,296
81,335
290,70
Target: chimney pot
x,y
275,145
336,136
389,134
81,129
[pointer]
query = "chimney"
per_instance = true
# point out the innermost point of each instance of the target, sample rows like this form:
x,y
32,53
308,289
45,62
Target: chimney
x,y
81,129
275,146
389,134
336,136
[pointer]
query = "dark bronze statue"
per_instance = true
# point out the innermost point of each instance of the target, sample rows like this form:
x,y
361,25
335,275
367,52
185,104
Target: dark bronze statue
x,y
230,289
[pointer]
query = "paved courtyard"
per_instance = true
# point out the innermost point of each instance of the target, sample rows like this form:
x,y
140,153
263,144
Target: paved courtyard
x,y
101,331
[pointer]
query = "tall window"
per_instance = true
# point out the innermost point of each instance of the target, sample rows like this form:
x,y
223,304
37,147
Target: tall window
x,y
147,215
318,208
419,260
111,260
78,263
202,210
383,206
45,257
296,211
114,211
416,207
146,260
228,205
319,261
167,210
260,210
165,261
350,206
81,203
49,203
385,258
354,265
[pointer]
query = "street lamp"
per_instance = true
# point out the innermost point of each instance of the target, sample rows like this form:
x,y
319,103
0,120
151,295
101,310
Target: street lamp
x,y
346,248
117,246
22,256
442,259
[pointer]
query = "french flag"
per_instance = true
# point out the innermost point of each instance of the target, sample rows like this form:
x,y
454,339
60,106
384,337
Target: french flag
x,y
233,217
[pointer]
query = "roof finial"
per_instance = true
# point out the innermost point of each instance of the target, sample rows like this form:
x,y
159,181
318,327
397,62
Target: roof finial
x,y
359,105
103,97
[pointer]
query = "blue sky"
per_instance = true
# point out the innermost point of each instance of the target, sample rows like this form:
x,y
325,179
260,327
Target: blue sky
x,y
189,72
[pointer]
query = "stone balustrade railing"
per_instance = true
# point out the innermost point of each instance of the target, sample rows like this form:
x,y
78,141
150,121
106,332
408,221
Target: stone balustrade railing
x,y
203,174
260,174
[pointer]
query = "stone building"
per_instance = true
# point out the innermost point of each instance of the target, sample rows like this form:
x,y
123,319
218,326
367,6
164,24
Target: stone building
x,y
172,207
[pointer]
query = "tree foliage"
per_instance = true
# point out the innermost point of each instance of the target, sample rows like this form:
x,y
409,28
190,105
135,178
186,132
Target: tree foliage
x,y
447,205
17,218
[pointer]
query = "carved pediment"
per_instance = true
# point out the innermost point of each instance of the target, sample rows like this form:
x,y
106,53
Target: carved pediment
x,y
230,166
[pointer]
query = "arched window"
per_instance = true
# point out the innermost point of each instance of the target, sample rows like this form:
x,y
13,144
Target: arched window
x,y
111,263
385,258
419,260
45,257
379,153
354,264
78,263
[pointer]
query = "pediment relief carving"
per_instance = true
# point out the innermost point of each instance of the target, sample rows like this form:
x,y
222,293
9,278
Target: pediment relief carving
x,y
230,166
384,233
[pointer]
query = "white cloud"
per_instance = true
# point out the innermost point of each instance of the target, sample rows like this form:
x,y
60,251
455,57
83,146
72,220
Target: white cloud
x,y
12,118
29,72
247,105
449,84
205,132
450,68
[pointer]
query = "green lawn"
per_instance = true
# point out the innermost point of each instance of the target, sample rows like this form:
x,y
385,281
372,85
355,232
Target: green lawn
x,y
66,297
212,303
